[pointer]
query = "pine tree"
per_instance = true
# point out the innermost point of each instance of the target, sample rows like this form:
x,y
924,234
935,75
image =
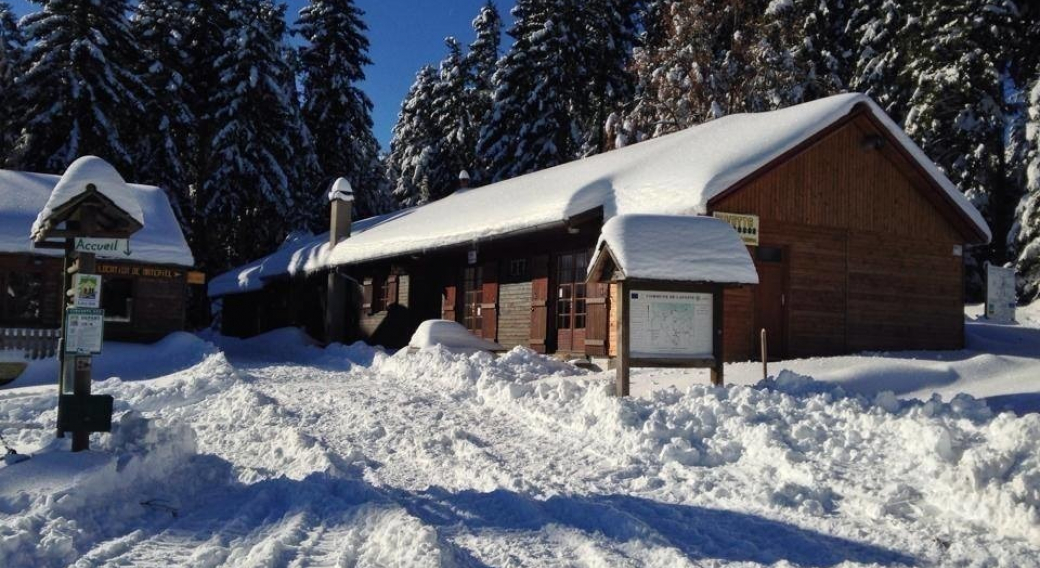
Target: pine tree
x,y
453,119
161,29
80,90
531,126
336,110
1027,230
414,165
957,112
885,36
481,62
11,55
248,201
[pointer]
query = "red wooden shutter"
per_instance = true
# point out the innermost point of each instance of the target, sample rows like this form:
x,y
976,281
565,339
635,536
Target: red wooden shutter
x,y
489,302
597,327
539,302
448,302
391,291
367,295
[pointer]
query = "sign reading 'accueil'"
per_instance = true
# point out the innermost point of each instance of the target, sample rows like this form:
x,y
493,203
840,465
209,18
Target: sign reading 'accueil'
x,y
103,247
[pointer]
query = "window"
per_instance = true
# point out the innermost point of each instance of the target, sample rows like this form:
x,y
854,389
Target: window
x,y
518,269
387,293
769,254
117,299
472,298
570,290
22,298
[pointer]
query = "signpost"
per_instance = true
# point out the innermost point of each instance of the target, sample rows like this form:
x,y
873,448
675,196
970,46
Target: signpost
x,y
85,224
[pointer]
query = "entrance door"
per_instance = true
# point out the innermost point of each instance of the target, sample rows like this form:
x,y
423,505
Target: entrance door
x,y
771,300
570,301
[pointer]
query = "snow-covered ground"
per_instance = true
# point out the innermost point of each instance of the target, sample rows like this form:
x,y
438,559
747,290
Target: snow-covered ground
x,y
275,452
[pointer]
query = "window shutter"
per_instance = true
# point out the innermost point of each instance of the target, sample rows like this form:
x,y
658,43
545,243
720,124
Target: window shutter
x,y
539,302
391,291
597,328
489,304
448,302
367,295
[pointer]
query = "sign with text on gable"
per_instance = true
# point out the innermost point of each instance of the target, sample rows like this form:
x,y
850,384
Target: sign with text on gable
x,y
745,225
102,247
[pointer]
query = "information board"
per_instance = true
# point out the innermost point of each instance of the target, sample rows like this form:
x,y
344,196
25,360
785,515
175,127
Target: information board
x,y
84,330
670,325
1000,294
745,225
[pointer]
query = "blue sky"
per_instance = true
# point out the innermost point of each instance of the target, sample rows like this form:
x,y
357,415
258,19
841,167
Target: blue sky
x,y
405,34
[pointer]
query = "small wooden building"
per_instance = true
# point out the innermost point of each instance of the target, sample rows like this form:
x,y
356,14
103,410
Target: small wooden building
x,y
143,293
857,238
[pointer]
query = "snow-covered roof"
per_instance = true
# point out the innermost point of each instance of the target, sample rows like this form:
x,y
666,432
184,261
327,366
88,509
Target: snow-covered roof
x,y
24,195
677,174
291,258
674,248
84,173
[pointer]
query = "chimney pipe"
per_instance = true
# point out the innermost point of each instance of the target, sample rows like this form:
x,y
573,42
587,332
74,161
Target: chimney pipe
x,y
341,202
463,179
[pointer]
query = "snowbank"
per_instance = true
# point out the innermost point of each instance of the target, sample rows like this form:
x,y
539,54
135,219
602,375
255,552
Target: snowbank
x,y
671,247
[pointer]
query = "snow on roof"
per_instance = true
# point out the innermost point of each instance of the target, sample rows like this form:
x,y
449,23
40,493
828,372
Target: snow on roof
x,y
679,248
677,174
291,258
24,195
85,172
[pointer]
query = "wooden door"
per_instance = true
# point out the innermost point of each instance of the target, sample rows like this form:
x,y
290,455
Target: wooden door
x,y
771,300
571,302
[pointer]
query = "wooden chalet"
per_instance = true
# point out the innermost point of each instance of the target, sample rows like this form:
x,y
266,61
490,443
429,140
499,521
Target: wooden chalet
x,y
857,239
144,291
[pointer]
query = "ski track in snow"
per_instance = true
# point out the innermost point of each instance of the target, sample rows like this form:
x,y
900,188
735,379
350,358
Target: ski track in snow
x,y
289,455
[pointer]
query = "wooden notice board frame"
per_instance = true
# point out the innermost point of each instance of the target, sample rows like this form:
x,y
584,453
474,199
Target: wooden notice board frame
x,y
624,353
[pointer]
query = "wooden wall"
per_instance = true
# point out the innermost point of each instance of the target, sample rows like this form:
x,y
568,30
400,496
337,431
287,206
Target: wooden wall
x,y
870,259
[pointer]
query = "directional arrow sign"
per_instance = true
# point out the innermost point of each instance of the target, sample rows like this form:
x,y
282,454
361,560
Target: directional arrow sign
x,y
104,247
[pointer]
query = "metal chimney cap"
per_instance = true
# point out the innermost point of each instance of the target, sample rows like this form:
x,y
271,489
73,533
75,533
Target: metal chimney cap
x,y
341,190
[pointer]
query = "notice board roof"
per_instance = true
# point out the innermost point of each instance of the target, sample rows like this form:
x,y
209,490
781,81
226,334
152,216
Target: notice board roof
x,y
672,248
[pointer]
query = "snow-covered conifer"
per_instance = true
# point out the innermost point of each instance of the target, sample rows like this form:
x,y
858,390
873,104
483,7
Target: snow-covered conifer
x,y
248,199
414,145
1027,233
336,110
168,126
80,91
481,62
957,113
11,55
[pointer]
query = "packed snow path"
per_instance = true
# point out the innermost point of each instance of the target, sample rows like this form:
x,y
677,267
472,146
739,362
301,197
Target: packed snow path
x,y
277,453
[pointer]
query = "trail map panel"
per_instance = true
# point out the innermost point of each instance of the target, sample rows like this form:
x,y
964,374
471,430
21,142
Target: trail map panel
x,y
670,325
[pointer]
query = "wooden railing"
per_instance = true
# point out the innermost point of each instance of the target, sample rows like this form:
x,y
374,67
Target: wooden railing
x,y
32,343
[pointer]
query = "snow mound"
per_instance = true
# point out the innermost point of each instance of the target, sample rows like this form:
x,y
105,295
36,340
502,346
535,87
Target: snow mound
x,y
450,335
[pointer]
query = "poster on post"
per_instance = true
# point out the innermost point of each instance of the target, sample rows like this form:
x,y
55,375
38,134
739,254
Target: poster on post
x,y
84,330
86,290
1001,297
670,325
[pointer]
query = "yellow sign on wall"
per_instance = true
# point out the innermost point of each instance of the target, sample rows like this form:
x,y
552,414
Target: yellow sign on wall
x,y
745,225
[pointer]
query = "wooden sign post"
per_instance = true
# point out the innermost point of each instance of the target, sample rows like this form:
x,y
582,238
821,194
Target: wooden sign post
x,y
87,215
